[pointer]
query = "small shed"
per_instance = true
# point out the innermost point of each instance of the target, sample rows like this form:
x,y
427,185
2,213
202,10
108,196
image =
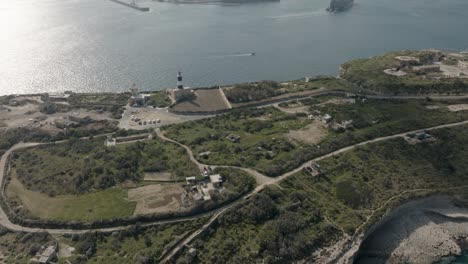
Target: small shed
x,y
233,138
326,118
190,180
45,255
216,180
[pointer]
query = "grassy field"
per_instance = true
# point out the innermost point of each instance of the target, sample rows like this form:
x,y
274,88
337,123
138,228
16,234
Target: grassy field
x,y
288,222
81,166
265,134
262,137
249,92
109,102
383,117
369,74
107,204
159,99
137,244
100,99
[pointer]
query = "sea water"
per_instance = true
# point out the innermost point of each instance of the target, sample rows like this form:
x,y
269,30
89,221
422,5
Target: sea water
x,y
98,45
462,259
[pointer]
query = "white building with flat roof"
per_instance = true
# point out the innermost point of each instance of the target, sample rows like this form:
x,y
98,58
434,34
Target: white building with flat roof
x,y
216,180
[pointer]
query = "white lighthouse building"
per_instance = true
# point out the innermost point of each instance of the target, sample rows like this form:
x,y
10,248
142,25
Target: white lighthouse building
x,y
180,93
179,81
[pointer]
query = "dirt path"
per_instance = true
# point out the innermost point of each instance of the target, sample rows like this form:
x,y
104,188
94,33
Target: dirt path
x,y
276,180
167,256
4,221
316,93
259,178
189,151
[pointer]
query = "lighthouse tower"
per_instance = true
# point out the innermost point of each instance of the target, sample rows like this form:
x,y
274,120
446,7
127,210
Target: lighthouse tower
x,y
180,93
179,81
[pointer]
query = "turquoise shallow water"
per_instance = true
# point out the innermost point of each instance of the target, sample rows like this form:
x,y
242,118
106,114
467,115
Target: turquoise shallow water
x,y
98,45
463,259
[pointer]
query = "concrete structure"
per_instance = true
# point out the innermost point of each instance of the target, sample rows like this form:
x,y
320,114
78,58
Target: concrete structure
x,y
233,138
55,97
407,59
110,141
418,137
204,191
216,180
426,69
456,55
180,93
190,180
326,118
204,154
192,252
313,170
463,64
136,99
45,255
342,126
395,72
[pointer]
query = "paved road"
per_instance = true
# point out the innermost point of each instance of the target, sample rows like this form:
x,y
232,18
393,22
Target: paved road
x,y
317,93
170,254
4,221
148,113
166,117
271,181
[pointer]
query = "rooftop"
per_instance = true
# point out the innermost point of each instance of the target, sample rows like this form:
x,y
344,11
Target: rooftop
x,y
216,178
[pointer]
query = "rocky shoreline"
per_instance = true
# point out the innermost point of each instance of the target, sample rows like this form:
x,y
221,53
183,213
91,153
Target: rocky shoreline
x,y
420,231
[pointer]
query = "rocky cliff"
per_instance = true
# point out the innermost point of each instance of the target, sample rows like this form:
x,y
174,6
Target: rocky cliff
x,y
340,5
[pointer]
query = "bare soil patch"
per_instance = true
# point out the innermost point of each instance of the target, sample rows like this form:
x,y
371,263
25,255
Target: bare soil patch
x,y
158,176
157,198
459,107
65,251
28,115
340,101
432,107
311,134
207,100
294,109
453,71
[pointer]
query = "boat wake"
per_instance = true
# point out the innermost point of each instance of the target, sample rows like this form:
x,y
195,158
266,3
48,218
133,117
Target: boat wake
x,y
234,55
241,55
320,12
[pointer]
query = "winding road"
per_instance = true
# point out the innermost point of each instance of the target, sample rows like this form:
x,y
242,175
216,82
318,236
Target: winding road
x,y
262,182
